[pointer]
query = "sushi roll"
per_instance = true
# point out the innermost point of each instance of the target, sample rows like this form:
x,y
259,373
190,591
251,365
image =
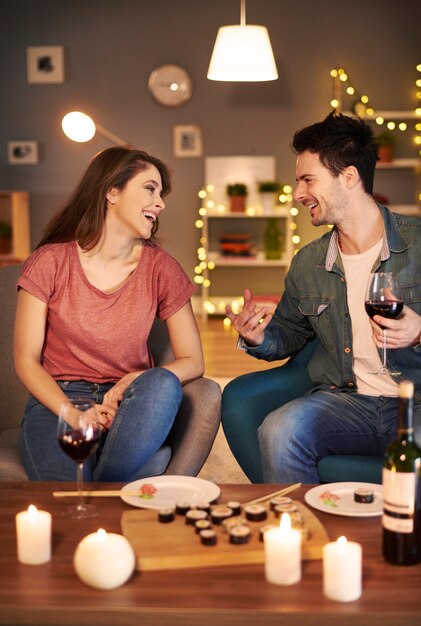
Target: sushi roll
x,y
181,508
364,495
235,506
208,537
219,513
279,500
202,524
284,508
230,522
194,515
166,515
255,512
203,506
239,534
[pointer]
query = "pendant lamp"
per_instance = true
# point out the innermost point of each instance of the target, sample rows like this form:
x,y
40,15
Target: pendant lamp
x,y
242,53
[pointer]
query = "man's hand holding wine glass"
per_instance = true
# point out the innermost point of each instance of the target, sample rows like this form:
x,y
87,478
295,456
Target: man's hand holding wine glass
x,y
400,333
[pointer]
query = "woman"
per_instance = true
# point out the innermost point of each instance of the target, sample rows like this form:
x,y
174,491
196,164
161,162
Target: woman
x,y
87,299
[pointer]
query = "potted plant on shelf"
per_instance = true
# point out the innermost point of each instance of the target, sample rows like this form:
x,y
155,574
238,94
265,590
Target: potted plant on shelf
x,y
269,190
386,142
5,237
237,193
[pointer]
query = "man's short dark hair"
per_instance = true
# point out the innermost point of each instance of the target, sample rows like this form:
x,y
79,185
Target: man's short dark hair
x,y
341,141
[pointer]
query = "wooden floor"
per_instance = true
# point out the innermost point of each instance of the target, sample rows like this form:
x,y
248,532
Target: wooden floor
x,y
222,357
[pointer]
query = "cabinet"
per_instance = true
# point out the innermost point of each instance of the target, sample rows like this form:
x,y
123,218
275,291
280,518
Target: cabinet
x,y
225,277
400,179
14,209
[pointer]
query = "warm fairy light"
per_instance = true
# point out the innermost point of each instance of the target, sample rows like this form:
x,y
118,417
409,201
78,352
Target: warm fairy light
x,y
418,126
364,99
334,73
210,188
209,306
199,223
210,204
202,211
293,211
221,305
202,193
198,270
334,103
417,140
206,282
293,226
198,279
203,265
379,120
370,111
341,71
203,241
419,67
418,111
287,189
343,78
402,126
211,265
227,322
296,239
251,210
391,125
418,82
350,90
235,305
220,208
283,198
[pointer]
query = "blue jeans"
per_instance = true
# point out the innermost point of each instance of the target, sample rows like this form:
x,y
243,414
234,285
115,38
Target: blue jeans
x,y
131,449
294,437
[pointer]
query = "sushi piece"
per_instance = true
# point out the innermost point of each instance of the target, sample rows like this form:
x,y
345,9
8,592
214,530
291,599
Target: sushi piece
x,y
264,528
202,524
166,515
279,500
255,512
284,508
219,513
194,515
364,495
181,508
239,534
235,506
208,537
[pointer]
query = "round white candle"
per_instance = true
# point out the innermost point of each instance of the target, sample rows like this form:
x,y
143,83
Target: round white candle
x,y
104,560
283,553
33,530
342,570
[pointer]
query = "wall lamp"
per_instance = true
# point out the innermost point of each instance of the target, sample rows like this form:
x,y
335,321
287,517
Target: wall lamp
x,y
80,127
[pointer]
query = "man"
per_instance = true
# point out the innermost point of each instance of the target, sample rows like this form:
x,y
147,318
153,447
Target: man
x,y
348,411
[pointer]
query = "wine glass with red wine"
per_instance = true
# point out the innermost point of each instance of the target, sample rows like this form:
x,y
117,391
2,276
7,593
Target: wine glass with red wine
x,y
78,435
383,298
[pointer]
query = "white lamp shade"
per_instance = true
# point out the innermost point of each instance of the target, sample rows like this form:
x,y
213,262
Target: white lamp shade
x,y
242,53
78,126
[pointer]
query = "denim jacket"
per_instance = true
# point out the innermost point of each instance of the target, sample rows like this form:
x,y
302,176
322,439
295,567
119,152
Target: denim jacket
x,y
314,303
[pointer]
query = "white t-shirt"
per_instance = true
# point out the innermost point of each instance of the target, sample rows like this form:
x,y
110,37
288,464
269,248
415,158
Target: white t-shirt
x,y
366,356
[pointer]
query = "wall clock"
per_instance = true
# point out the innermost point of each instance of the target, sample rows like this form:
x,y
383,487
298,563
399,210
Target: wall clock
x,y
170,85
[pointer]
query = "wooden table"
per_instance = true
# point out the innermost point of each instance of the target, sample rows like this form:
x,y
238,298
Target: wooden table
x,y
52,594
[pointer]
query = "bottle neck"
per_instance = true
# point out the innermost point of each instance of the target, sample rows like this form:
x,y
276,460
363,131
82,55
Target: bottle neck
x,y
406,418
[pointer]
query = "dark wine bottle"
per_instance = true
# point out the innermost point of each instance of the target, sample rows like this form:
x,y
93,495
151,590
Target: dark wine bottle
x,y
402,488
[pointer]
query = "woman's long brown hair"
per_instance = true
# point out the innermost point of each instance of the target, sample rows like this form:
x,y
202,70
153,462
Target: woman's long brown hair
x,y
83,217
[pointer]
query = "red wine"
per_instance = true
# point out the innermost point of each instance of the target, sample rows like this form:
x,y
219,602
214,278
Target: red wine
x,y
76,445
402,488
387,308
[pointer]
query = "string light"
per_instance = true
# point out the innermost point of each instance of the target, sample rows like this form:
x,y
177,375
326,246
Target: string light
x,y
360,108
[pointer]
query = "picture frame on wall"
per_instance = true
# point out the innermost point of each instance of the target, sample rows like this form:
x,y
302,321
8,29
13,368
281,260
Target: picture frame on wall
x,y
187,141
45,64
22,152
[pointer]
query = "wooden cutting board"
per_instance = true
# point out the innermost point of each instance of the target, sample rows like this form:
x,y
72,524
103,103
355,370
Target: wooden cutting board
x,y
176,545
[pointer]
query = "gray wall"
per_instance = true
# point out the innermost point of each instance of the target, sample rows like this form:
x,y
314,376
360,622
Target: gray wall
x,y
111,46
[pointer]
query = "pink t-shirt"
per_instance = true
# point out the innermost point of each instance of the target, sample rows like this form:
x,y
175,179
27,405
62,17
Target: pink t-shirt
x,y
96,336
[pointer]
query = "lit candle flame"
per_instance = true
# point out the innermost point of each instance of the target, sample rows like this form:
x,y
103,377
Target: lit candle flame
x,y
285,523
32,510
101,534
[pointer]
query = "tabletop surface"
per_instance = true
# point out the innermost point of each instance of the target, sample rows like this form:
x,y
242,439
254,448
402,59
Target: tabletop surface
x,y
52,594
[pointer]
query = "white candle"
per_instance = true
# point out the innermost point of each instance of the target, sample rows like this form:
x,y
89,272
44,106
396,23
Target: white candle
x,y
342,570
33,530
283,553
104,560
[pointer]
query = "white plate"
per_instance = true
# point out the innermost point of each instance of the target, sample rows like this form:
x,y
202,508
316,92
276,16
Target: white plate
x,y
169,490
342,501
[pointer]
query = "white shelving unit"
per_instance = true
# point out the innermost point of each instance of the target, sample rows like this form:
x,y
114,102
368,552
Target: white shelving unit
x,y
215,224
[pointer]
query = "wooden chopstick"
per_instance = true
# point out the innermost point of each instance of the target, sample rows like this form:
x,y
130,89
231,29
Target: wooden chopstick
x,y
95,494
282,492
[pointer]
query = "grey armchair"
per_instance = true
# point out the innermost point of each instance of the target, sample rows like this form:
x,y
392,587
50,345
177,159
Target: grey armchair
x,y
191,437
